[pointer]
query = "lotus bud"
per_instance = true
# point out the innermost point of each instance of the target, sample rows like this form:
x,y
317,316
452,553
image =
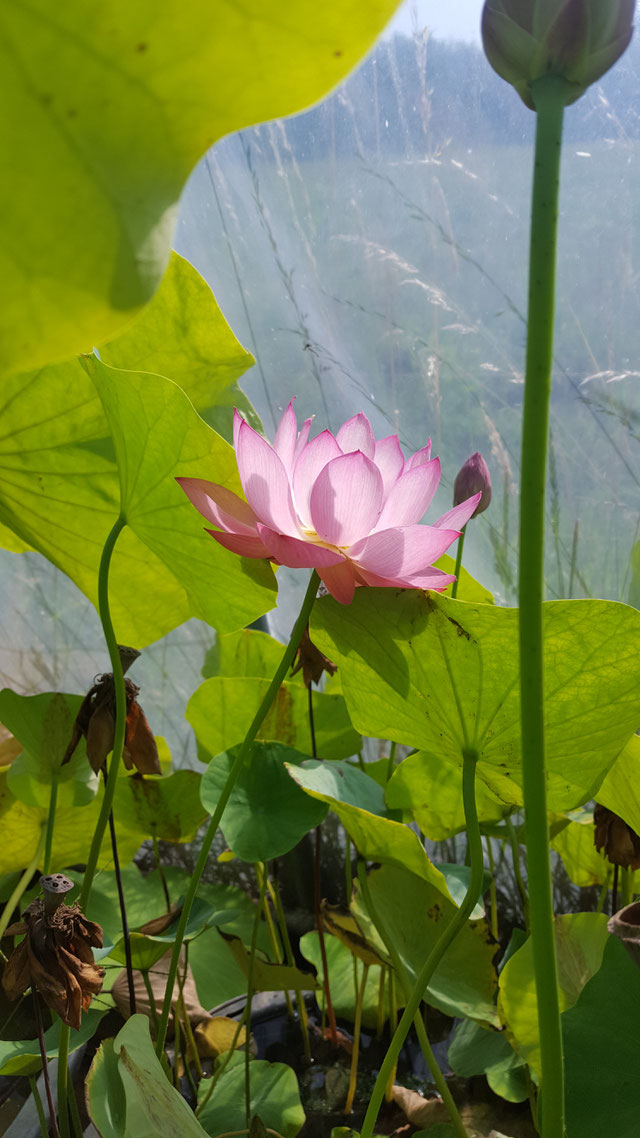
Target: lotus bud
x,y
574,40
473,478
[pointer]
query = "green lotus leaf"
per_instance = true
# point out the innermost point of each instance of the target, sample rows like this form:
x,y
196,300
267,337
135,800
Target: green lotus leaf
x,y
109,106
222,708
443,675
275,1099
580,943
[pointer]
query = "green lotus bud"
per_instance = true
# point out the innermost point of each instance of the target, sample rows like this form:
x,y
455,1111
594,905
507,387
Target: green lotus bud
x,y
574,40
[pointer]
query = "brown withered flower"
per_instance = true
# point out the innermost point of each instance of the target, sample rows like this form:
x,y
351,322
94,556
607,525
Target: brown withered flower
x,y
55,956
615,839
311,661
96,722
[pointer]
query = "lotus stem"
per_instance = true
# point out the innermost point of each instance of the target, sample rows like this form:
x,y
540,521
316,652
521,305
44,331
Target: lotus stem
x,y
274,893
51,819
405,981
42,1120
458,921
45,1068
212,829
123,910
247,1041
548,96
454,587
353,1073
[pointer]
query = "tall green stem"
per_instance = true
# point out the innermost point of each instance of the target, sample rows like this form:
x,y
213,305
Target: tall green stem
x,y
51,820
459,920
243,755
121,710
403,976
454,587
548,96
110,785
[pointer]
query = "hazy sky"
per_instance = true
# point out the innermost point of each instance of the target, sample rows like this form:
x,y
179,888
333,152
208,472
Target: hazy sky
x,y
447,19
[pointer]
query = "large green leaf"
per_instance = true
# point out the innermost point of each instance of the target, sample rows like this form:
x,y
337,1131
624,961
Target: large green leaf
x,y
60,492
22,828
165,808
266,975
43,724
476,1050
359,803
222,708
442,675
465,982
574,842
246,652
201,353
267,814
580,942
601,1045
620,790
274,1098
430,788
107,107
129,1093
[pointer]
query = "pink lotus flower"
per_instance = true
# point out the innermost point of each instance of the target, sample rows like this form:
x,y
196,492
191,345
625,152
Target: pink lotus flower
x,y
347,506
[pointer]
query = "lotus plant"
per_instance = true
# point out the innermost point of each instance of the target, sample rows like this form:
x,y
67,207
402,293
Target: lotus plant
x,y
347,505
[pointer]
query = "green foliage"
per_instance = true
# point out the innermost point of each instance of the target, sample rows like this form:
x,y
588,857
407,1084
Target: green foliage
x,y
167,808
602,1039
22,1057
341,976
222,708
274,1098
268,976
359,803
475,1050
110,109
580,941
620,790
44,724
63,480
574,842
267,814
465,981
441,675
129,1093
430,788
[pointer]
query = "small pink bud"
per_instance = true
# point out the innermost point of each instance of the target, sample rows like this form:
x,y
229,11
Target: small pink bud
x,y
473,478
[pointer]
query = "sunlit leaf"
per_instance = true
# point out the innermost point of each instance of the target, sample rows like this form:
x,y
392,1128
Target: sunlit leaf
x,y
574,842
183,335
267,814
60,491
222,708
620,790
246,652
430,788
465,981
468,588
23,826
442,675
580,942
109,108
43,724
359,803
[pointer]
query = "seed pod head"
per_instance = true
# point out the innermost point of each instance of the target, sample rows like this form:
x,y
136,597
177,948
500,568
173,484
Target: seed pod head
x,y
574,40
473,478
